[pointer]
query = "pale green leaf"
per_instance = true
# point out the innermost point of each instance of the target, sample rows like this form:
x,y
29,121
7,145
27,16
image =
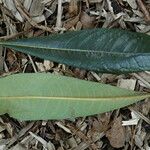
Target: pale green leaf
x,y
46,96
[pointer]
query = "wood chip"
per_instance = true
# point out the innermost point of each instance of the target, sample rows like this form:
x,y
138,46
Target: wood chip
x,y
20,134
40,67
141,79
72,142
46,145
63,127
127,83
96,76
2,128
133,121
144,9
27,4
31,18
82,146
18,147
132,3
116,135
48,64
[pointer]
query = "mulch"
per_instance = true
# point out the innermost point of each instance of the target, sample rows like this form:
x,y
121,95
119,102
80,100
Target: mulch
x,y
125,128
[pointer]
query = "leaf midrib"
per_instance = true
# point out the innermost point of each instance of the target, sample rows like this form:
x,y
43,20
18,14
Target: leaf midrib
x,y
64,49
76,98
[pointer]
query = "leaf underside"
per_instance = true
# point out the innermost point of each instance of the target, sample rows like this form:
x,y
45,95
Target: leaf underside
x,y
103,50
46,96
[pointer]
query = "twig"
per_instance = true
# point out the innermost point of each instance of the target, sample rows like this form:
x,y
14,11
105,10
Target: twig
x,y
33,65
8,37
140,115
148,72
87,3
6,67
32,22
96,76
144,10
24,69
141,79
59,15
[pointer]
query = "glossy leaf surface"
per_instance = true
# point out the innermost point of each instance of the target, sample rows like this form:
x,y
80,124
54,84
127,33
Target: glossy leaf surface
x,y
103,50
46,96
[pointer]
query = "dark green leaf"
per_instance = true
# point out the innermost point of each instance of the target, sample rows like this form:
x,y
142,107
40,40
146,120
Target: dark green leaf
x,y
103,50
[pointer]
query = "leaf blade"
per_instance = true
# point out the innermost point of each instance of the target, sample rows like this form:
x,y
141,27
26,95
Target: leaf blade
x,y
109,50
56,97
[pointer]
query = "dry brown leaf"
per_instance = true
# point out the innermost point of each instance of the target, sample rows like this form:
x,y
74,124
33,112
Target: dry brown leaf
x,y
73,8
79,25
79,73
37,8
87,21
11,58
71,22
102,124
116,135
